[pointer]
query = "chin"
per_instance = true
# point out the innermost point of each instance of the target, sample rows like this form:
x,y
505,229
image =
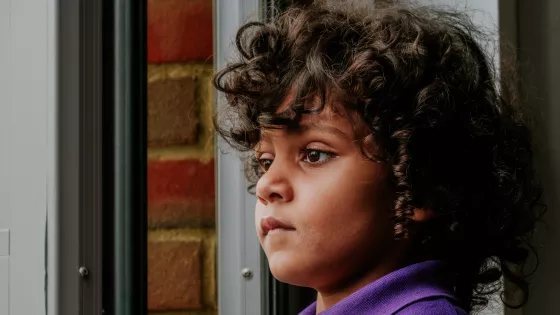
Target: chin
x,y
288,270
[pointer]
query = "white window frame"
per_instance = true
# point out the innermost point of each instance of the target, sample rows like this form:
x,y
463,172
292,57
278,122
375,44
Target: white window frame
x,y
238,246
27,108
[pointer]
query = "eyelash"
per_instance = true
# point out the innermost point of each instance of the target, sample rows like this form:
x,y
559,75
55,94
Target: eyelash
x,y
305,152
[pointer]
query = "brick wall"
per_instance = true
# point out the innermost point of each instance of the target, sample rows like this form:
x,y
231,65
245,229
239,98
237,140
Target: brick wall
x,y
182,238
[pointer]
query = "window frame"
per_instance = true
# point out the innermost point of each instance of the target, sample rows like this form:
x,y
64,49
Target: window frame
x,y
238,247
96,244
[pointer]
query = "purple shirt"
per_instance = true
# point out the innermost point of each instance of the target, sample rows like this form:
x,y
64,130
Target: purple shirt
x,y
419,289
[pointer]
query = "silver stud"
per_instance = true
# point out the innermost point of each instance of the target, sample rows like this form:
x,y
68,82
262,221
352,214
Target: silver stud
x,y
84,272
246,273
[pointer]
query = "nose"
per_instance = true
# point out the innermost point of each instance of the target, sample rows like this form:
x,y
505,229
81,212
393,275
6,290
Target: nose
x,y
274,186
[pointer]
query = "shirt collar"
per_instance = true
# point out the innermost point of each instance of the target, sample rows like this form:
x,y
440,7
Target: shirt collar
x,y
394,291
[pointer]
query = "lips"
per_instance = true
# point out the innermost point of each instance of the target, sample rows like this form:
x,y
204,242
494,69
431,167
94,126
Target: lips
x,y
270,224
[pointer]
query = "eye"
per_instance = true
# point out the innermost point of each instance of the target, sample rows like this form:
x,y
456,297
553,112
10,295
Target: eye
x,y
265,161
314,156
265,164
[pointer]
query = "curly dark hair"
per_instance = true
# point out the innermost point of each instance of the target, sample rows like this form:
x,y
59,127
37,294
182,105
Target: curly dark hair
x,y
420,80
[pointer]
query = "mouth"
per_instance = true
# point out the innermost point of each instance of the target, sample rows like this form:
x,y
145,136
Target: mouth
x,y
271,224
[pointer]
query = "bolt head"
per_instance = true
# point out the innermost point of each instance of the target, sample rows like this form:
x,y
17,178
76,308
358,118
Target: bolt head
x,y
247,273
84,272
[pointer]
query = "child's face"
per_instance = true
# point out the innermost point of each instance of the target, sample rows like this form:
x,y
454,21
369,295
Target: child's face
x,y
323,213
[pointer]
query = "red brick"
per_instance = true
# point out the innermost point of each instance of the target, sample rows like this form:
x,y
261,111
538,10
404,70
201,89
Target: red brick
x,y
174,275
179,30
180,180
180,214
172,113
181,193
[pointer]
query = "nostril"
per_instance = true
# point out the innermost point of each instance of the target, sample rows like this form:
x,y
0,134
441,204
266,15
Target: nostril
x,y
275,196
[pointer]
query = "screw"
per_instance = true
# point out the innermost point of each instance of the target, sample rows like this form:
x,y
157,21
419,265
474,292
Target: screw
x,y
84,272
246,273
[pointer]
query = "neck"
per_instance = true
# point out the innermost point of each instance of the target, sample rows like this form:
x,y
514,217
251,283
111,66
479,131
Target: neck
x,y
327,297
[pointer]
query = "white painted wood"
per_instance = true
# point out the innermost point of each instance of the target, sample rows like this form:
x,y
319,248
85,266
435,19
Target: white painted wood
x,y
4,242
238,246
5,134
4,285
24,102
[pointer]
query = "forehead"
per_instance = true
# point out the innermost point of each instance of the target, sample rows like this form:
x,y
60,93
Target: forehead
x,y
333,112
325,122
331,116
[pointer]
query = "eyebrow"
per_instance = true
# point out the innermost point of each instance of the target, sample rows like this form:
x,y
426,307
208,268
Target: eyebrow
x,y
307,127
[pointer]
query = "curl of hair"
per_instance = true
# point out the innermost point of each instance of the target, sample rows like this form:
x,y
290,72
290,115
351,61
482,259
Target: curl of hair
x,y
420,80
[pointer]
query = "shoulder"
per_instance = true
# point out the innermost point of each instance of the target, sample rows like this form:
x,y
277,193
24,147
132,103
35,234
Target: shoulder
x,y
431,306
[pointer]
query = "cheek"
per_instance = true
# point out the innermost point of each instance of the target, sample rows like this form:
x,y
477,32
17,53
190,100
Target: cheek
x,y
341,225
344,215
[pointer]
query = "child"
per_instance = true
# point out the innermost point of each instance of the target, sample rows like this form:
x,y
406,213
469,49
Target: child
x,y
392,176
